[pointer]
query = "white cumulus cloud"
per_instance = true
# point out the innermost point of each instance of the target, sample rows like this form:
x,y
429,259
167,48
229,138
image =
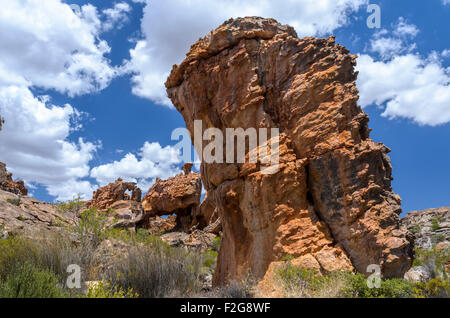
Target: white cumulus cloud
x,y
152,161
46,44
50,46
388,44
34,143
403,83
116,16
408,86
169,28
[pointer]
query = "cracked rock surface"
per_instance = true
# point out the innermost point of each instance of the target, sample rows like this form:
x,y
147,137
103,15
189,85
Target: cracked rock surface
x,y
330,205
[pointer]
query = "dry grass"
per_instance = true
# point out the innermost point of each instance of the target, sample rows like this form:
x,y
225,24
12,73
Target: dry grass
x,y
158,271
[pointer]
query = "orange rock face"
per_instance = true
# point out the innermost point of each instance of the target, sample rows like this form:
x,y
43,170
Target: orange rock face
x,y
179,195
330,205
104,198
8,184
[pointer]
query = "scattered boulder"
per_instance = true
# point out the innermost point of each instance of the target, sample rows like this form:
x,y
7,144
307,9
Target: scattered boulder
x,y
104,198
330,197
418,274
157,225
8,184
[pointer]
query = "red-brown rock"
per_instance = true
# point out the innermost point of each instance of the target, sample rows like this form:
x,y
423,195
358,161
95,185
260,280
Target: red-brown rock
x,y
8,184
331,201
179,195
104,198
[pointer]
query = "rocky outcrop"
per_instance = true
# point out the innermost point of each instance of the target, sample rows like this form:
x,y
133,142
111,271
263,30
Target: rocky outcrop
x,y
104,198
329,203
8,184
429,227
29,216
178,196
206,217
157,225
196,241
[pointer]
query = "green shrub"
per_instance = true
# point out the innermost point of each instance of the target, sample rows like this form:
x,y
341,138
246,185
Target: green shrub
x,y
300,282
210,259
142,236
50,252
28,281
14,252
90,227
216,244
433,260
356,287
287,258
72,206
435,224
436,287
106,290
15,202
416,228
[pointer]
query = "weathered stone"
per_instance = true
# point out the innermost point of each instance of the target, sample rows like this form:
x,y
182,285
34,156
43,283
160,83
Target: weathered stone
x,y
331,195
187,168
197,240
178,196
157,225
25,215
206,217
418,274
8,184
104,198
426,235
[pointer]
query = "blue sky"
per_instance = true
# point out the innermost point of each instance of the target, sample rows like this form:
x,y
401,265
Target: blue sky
x,y
121,52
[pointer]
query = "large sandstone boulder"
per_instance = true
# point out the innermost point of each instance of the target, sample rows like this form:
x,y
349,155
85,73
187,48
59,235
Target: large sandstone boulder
x,y
178,196
330,200
7,183
104,198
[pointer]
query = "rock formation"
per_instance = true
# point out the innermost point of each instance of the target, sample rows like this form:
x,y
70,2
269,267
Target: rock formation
x,y
29,216
7,183
330,205
430,230
104,198
179,195
429,227
206,217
